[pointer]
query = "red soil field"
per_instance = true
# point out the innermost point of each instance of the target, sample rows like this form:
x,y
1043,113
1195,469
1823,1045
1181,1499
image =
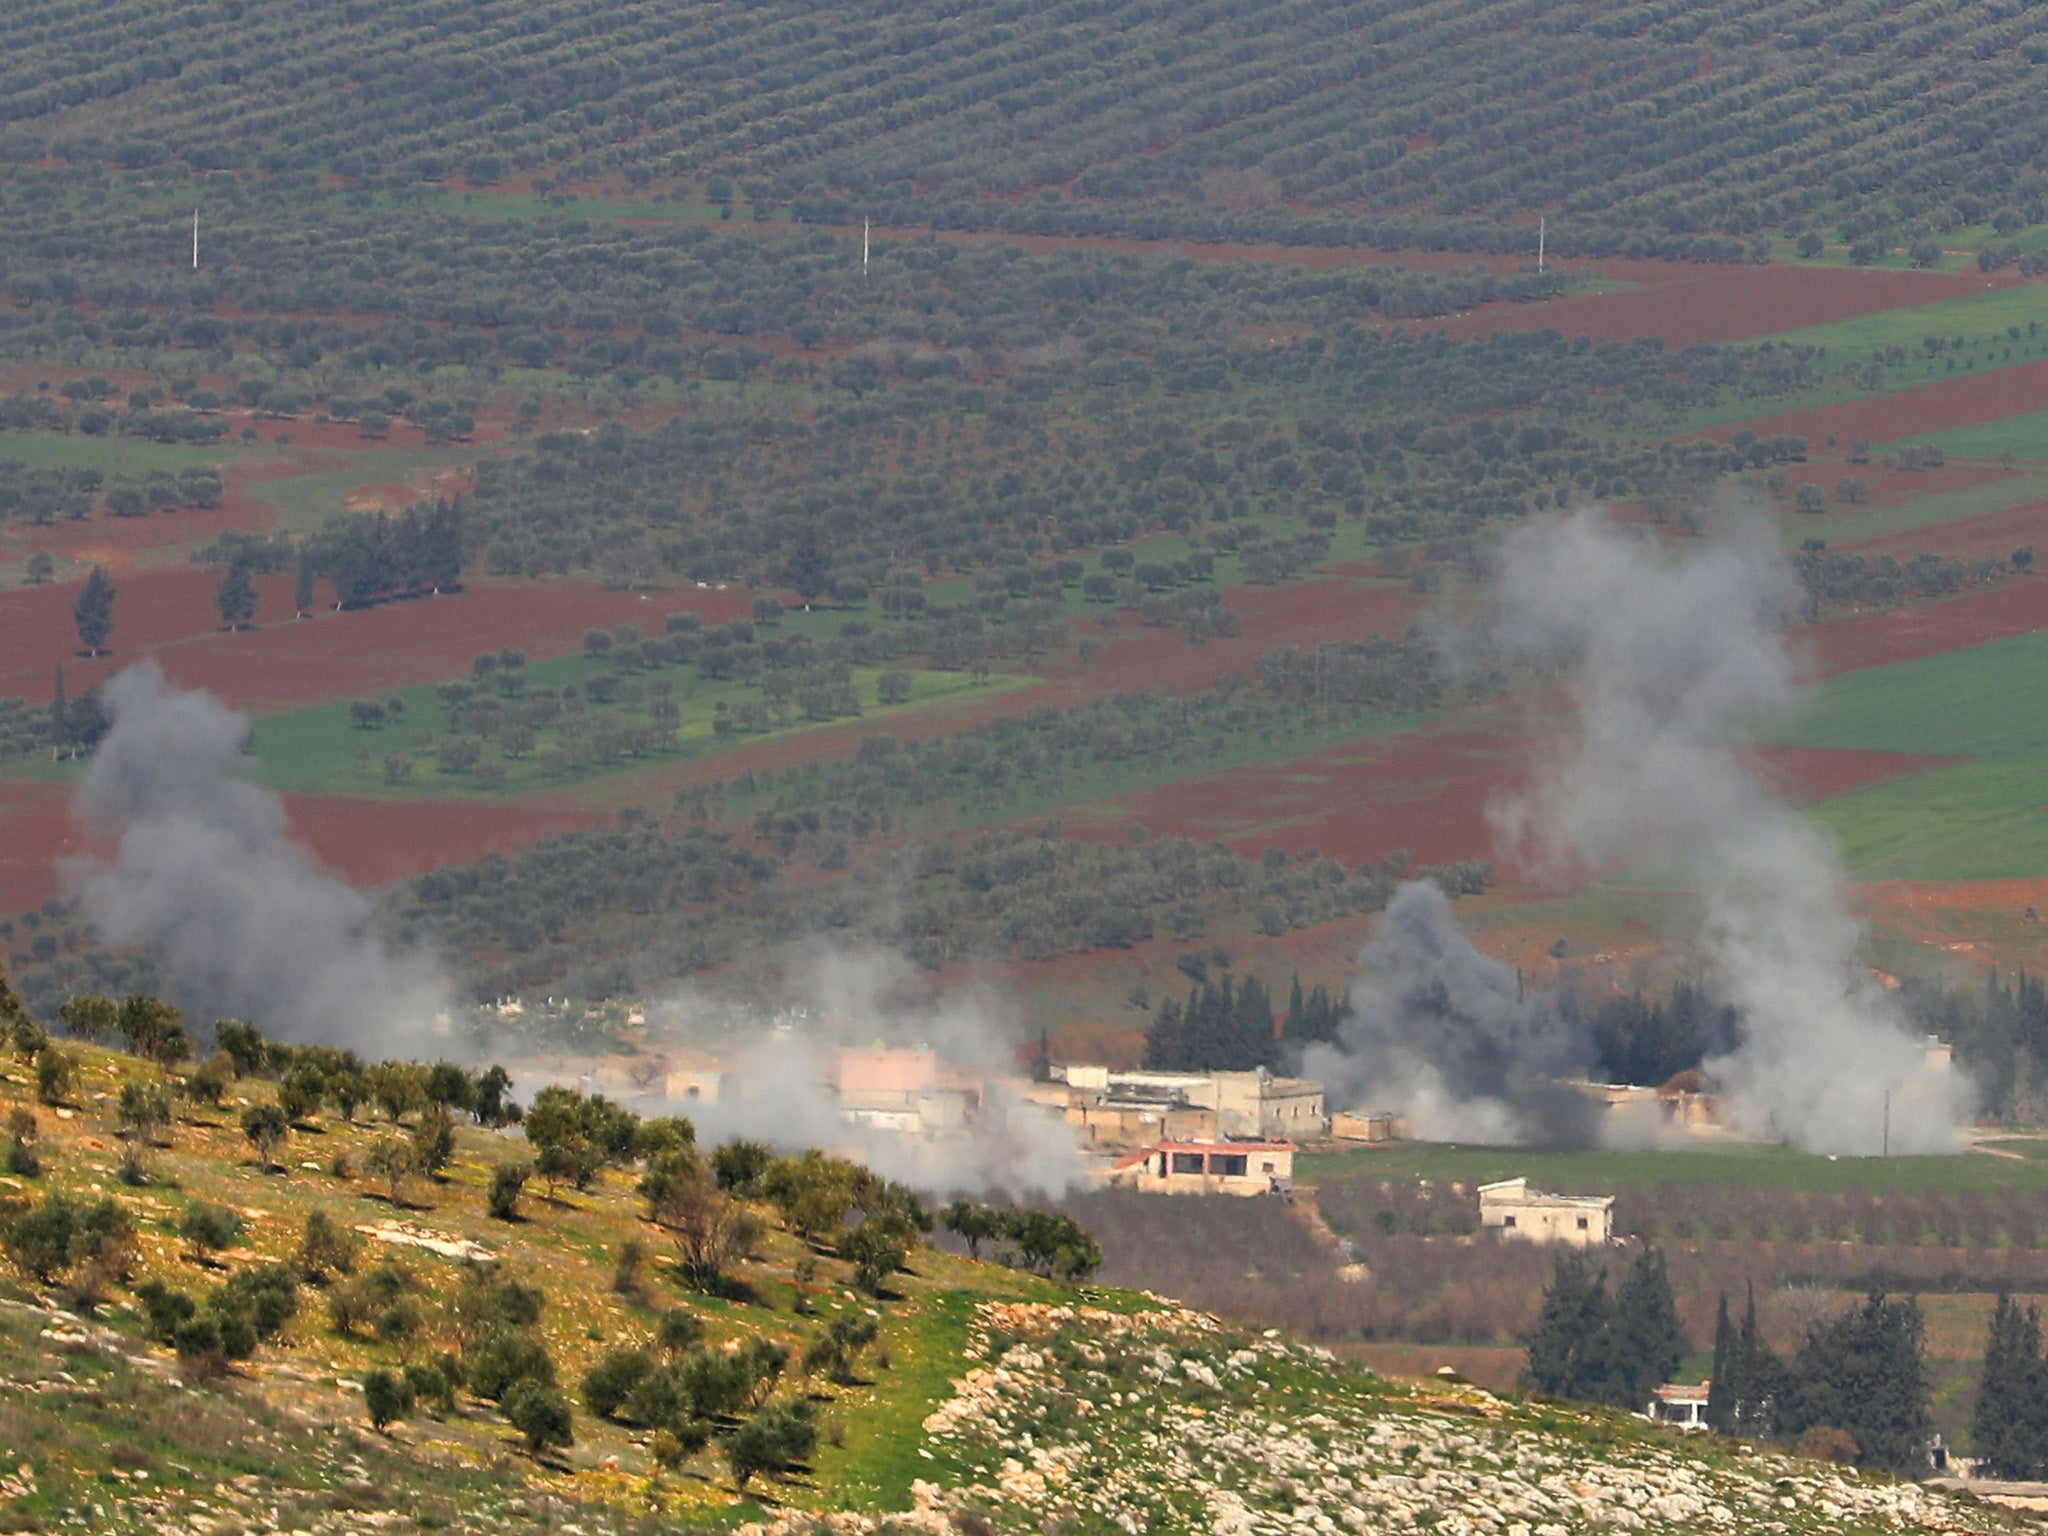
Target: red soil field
x,y
1804,775
35,831
1992,536
369,841
1425,791
365,841
2014,607
169,614
1940,407
1718,304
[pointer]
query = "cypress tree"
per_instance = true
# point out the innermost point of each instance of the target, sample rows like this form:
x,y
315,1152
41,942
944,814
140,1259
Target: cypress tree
x,y
1164,1045
1565,1353
1759,1380
93,611
1645,1343
1251,1042
2006,1430
1862,1373
60,717
1722,1386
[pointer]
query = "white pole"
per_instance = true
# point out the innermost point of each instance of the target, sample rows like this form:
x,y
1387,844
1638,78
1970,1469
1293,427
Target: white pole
x,y
1542,228
863,245
195,239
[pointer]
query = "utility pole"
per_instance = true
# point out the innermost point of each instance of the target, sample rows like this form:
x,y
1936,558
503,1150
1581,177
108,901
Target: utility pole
x,y
1887,1123
195,239
863,245
1542,229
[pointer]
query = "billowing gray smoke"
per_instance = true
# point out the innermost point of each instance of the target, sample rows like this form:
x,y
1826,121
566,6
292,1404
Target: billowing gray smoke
x,y
1670,660
1662,662
1442,1032
246,922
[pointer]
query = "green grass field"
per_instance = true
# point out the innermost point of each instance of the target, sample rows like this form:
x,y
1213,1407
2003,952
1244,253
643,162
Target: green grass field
x,y
1107,780
1980,819
303,502
1729,1163
2024,437
115,455
320,750
1974,702
1980,316
1846,526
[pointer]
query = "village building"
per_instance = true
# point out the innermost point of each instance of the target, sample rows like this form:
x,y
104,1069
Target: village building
x,y
1208,1167
908,1090
1680,1405
1513,1209
1136,1109
1365,1125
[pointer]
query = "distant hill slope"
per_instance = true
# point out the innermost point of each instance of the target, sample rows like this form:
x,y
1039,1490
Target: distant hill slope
x,y
1635,124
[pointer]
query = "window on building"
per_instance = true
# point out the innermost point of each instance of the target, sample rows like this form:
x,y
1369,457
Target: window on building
x,y
1507,1221
1187,1162
1229,1165
1582,1223
1265,1167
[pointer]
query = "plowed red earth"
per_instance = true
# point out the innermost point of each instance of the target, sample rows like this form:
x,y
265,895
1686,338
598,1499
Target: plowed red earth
x,y
1941,407
1990,537
363,840
1718,304
1426,792
169,614
2014,607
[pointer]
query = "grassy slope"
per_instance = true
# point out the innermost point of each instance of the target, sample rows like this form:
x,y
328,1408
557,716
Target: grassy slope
x,y
569,1247
112,1443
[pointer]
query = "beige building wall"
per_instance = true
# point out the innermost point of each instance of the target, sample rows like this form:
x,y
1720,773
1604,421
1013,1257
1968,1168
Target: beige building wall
x,y
1513,1209
1208,1168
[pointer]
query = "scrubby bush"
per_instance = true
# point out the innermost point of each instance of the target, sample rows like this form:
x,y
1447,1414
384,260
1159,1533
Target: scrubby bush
x,y
387,1398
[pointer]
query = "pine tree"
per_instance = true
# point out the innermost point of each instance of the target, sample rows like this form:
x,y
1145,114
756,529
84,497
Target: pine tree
x,y
1645,1343
1564,1353
93,611
302,590
2007,1429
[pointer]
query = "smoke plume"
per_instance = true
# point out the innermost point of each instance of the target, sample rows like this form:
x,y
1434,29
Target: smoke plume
x,y
246,922
1669,662
776,1086
1443,1033
1659,664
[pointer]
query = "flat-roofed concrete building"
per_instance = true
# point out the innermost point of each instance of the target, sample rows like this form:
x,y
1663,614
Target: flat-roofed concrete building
x,y
1218,1167
1512,1208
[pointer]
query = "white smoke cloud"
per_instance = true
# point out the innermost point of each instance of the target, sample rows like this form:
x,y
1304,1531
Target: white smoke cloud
x,y
1668,659
247,923
776,1087
1656,663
